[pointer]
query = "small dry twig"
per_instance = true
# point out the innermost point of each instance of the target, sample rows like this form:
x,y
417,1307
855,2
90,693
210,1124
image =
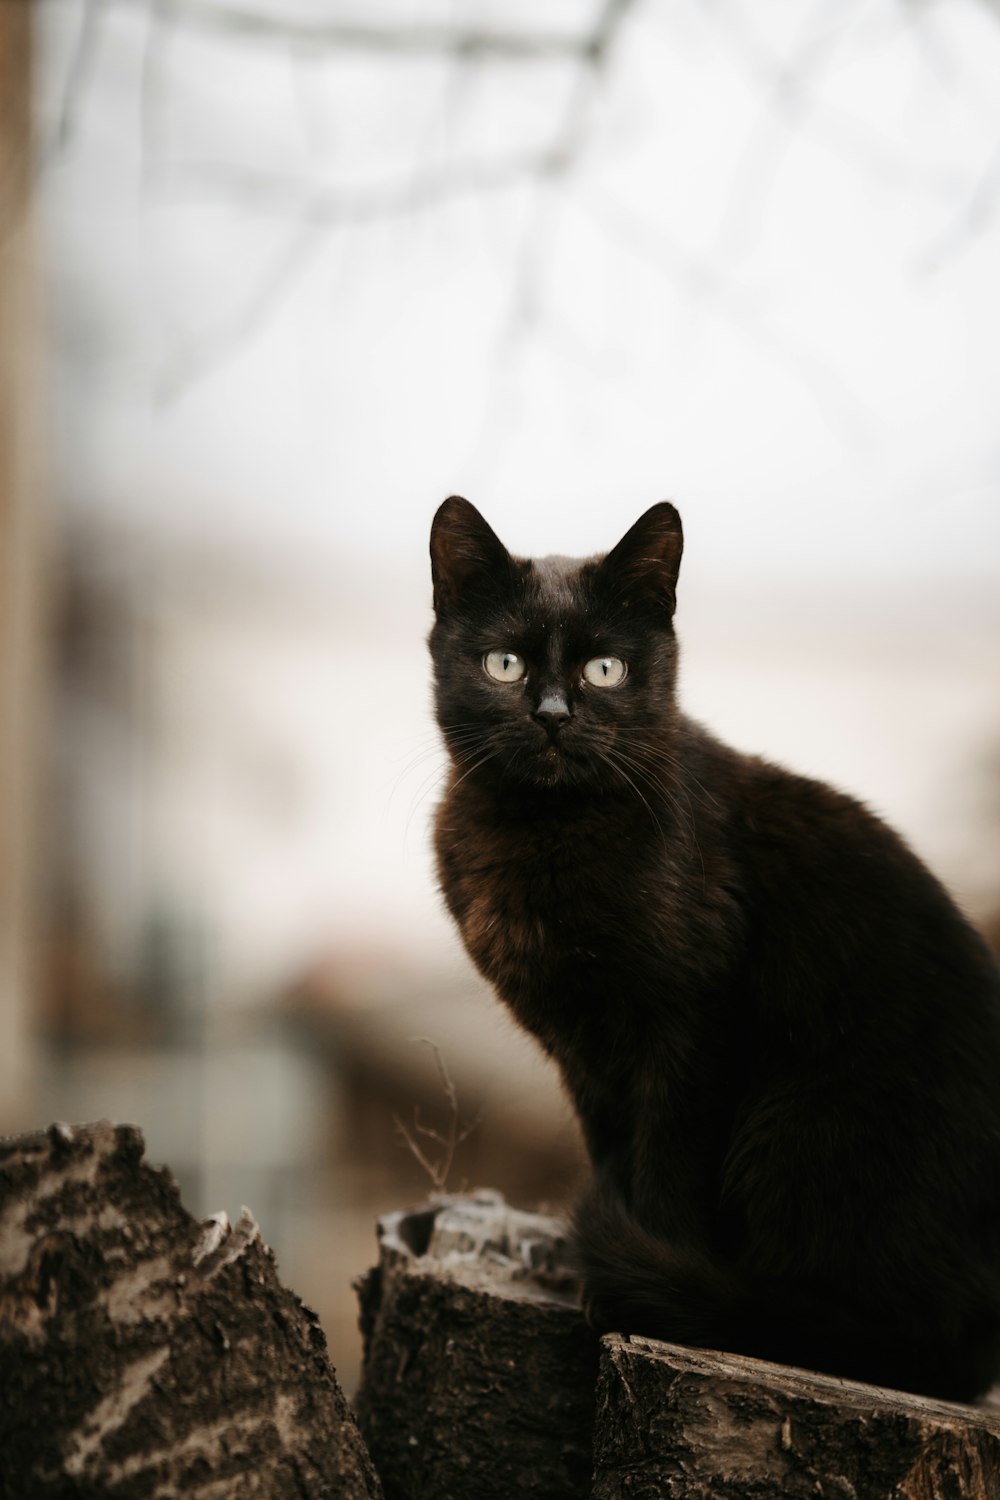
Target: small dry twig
x,y
448,1139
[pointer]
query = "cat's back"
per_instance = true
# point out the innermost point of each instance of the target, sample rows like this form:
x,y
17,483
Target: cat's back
x,y
803,845
848,933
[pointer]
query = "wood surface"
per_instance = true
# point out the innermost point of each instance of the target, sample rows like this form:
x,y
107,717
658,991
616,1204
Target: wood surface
x,y
677,1422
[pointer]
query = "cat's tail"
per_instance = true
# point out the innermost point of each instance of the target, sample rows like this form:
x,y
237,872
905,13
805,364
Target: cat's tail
x,y
635,1282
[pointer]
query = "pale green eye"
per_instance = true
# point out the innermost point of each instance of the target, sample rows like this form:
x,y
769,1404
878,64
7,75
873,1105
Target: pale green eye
x,y
605,671
503,666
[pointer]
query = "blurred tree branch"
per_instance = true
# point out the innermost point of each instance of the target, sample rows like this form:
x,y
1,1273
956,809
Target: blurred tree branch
x,y
703,282
976,216
471,42
790,89
314,210
792,103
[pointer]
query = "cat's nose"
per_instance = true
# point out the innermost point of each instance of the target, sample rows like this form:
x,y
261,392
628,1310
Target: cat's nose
x,y
552,712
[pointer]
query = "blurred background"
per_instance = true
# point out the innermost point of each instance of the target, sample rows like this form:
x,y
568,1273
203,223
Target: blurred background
x,y
276,277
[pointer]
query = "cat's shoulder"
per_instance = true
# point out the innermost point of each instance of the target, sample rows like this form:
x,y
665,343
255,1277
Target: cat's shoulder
x,y
768,804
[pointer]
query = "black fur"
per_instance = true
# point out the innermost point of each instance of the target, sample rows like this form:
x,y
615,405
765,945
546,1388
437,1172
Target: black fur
x,y
781,1036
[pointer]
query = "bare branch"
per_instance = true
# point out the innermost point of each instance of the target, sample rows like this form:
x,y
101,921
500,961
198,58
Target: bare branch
x,y
324,208
427,1130
431,1168
450,1139
703,282
151,93
199,356
77,74
429,38
975,218
443,1074
316,214
790,89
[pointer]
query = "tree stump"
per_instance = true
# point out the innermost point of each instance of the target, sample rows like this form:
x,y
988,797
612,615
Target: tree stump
x,y
479,1371
478,1381
143,1354
675,1422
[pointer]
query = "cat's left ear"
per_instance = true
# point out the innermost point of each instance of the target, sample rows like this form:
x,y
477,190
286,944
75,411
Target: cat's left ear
x,y
647,560
467,556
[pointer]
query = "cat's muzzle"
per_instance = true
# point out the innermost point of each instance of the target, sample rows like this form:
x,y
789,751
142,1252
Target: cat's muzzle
x,y
552,713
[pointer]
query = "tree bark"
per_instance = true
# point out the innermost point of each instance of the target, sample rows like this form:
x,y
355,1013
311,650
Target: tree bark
x,y
143,1354
675,1422
478,1378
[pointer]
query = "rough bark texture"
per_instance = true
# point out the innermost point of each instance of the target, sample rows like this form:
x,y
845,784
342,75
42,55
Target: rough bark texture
x,y
479,1372
682,1422
143,1354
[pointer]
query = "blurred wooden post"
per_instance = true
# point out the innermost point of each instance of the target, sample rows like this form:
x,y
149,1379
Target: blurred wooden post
x,y
20,560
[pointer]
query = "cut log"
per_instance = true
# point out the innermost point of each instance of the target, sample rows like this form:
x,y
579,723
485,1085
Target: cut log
x,y
675,1422
479,1371
143,1354
478,1385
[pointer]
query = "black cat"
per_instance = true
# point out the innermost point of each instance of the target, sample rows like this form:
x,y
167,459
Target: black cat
x,y
781,1036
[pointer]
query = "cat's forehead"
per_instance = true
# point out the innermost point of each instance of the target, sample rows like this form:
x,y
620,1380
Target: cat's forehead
x,y
559,582
554,595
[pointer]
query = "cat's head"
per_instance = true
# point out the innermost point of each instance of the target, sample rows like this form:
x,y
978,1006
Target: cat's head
x,y
553,671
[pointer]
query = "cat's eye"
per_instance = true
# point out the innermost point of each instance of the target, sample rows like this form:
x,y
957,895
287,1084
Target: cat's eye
x,y
503,666
605,671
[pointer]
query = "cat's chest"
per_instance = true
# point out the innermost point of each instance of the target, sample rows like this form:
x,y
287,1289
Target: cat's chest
x,y
536,901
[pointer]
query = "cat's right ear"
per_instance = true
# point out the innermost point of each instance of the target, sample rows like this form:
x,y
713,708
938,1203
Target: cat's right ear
x,y
467,556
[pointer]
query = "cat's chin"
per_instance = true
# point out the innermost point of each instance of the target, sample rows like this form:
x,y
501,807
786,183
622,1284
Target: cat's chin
x,y
556,768
550,771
